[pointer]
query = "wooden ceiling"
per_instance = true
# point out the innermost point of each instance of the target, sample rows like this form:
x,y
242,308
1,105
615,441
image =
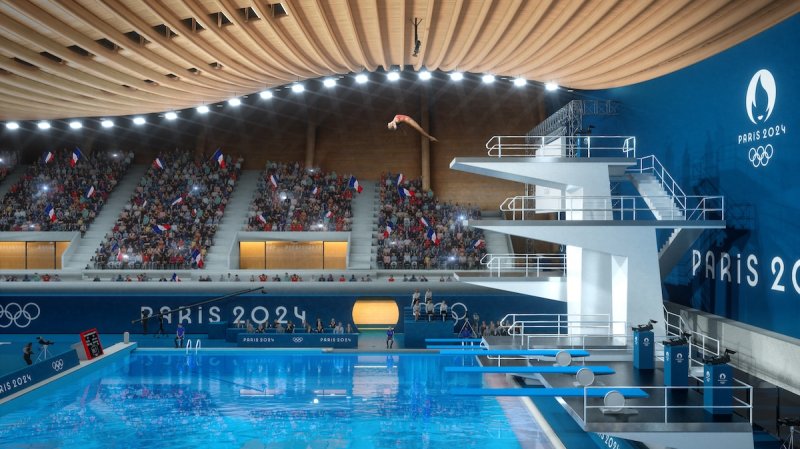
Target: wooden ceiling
x,y
87,58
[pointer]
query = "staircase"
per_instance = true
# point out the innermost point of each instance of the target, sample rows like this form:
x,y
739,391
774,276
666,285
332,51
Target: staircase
x,y
105,220
657,199
12,178
496,242
233,220
365,209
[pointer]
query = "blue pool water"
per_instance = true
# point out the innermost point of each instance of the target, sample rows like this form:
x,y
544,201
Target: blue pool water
x,y
268,400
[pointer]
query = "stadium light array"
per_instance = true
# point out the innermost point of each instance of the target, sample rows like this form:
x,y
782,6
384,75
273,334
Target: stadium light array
x,y
235,101
106,123
394,75
488,78
12,125
456,76
520,82
171,115
424,75
202,109
298,87
75,124
43,124
139,121
265,94
361,78
329,82
551,86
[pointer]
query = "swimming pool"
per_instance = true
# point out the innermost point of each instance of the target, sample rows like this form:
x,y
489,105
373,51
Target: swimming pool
x,y
268,400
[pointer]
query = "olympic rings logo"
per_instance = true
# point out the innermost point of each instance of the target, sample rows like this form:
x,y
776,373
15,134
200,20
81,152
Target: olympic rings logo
x,y
297,339
20,316
455,315
58,365
760,156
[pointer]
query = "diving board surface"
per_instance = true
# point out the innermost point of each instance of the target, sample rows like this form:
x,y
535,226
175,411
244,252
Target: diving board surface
x,y
516,352
599,370
549,392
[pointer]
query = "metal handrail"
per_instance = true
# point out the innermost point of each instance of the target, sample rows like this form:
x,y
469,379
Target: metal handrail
x,y
567,146
668,183
615,207
663,391
529,264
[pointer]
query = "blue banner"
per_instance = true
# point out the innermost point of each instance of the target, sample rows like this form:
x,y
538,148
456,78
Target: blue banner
x,y
297,340
31,375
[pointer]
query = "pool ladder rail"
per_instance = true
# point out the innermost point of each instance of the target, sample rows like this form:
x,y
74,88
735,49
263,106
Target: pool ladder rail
x,y
197,346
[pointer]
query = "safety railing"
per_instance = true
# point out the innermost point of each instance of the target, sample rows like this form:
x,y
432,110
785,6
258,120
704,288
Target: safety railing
x,y
525,264
556,324
562,146
598,342
701,346
616,207
668,399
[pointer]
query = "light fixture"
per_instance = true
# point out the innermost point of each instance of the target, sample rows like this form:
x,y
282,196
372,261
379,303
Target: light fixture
x,y
43,125
202,109
235,101
456,76
329,82
361,78
551,85
12,125
138,121
170,115
488,78
394,75
106,123
265,94
297,88
75,124
519,81
424,75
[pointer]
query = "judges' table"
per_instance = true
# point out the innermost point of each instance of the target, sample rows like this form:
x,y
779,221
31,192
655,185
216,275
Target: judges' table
x,y
297,340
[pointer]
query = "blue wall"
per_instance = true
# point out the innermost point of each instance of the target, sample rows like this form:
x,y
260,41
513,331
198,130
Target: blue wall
x,y
696,122
61,314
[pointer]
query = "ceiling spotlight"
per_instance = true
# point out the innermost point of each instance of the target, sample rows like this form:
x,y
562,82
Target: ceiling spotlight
x,y
170,115
139,121
394,75
235,101
519,81
12,125
329,82
43,125
202,109
265,94
75,124
488,78
456,76
297,88
424,75
552,85
106,123
361,78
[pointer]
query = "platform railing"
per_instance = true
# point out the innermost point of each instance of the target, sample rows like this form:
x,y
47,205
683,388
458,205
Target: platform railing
x,y
521,325
615,340
668,393
526,264
562,146
651,164
614,207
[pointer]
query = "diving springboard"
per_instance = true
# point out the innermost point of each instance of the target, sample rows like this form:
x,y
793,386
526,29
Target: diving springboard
x,y
453,340
550,392
598,370
516,352
454,347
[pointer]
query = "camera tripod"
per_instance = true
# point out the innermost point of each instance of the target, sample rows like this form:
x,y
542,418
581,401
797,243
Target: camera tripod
x,y
44,353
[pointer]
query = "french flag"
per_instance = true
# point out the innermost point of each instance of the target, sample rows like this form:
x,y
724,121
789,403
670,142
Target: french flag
x,y
50,212
400,179
329,214
432,236
218,156
160,229
315,191
354,184
478,243
116,249
158,164
144,204
261,218
48,157
424,222
197,257
404,192
388,230
177,200
76,156
90,192
273,179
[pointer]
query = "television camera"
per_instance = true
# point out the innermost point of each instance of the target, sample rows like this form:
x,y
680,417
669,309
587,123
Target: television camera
x,y
645,327
721,359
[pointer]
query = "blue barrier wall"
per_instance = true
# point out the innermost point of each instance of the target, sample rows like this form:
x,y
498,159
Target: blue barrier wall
x,y
31,375
63,314
729,126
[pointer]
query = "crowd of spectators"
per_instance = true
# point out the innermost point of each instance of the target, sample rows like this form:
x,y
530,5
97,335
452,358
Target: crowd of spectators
x,y
293,198
35,277
171,219
410,243
8,160
66,188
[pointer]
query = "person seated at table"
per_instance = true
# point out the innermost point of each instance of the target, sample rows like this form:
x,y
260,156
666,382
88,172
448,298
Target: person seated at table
x,y
332,323
415,308
443,310
249,327
319,328
290,327
429,308
338,329
260,329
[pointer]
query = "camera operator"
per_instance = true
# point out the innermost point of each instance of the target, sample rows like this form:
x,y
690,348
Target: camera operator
x,y
27,351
